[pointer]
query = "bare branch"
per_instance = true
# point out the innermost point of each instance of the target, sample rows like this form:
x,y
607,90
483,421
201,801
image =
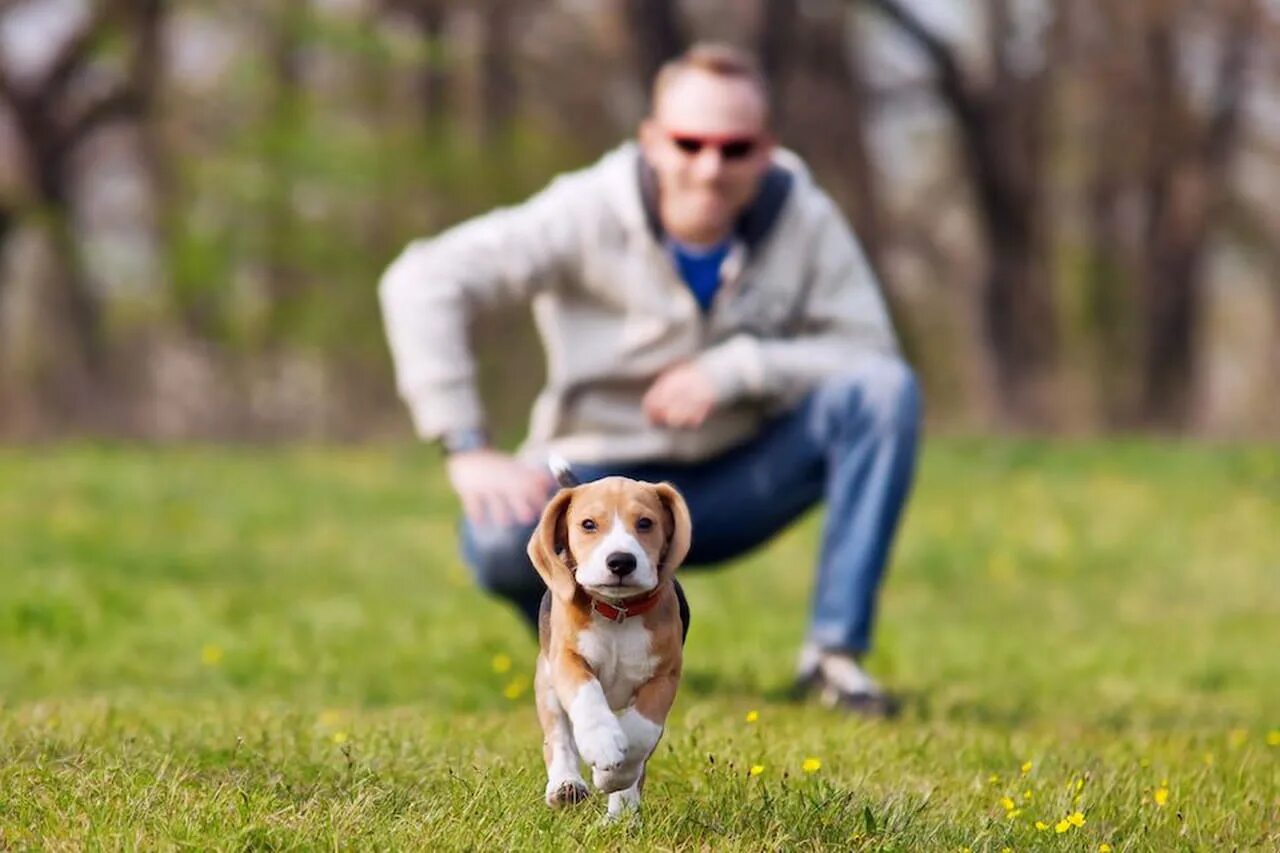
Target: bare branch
x,y
117,105
1229,91
951,79
71,57
9,90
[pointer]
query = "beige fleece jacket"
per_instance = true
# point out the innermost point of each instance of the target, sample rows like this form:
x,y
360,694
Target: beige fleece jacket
x,y
795,306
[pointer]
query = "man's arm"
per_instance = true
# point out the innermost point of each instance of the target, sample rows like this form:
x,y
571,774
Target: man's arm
x,y
431,292
842,319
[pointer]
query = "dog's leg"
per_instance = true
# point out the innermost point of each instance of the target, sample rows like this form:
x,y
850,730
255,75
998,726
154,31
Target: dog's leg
x,y
624,801
642,737
595,729
565,785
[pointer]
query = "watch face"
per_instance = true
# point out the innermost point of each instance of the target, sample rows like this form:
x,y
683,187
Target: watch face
x,y
467,439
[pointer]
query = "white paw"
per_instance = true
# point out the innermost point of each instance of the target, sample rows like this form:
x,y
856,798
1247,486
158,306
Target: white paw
x,y
602,745
566,792
615,779
622,803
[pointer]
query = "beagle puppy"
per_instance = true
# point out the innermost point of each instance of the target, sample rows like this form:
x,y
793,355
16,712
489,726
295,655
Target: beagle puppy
x,y
610,633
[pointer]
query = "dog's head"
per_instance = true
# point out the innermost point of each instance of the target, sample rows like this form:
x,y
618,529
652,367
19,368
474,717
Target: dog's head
x,y
616,538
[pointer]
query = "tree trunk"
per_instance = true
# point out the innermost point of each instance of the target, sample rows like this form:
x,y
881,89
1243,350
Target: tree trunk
x,y
1189,160
656,35
497,77
1000,131
777,48
286,113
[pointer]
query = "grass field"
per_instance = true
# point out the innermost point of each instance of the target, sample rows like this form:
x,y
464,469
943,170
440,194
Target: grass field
x,y
265,649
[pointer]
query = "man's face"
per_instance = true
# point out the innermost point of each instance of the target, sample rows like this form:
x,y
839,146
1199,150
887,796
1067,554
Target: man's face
x,y
708,143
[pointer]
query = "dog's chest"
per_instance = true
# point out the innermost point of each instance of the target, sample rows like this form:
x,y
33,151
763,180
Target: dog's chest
x,y
619,656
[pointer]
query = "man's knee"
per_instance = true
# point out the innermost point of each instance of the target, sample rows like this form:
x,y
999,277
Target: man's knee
x,y
497,558
881,392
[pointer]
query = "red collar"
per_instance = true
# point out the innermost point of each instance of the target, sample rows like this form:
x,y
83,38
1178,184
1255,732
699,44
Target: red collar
x,y
619,612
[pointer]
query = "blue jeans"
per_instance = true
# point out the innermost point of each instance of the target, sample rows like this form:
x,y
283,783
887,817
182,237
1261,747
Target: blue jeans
x,y
851,443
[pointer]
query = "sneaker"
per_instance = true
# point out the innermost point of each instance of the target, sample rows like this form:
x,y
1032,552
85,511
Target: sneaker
x,y
840,682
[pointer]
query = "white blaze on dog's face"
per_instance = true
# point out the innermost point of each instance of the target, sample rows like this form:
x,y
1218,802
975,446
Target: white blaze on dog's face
x,y
618,532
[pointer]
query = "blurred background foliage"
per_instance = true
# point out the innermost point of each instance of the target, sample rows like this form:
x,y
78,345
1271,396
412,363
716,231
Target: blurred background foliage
x,y
1072,204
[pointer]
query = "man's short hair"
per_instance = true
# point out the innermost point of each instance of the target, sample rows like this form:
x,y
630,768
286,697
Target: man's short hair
x,y
722,60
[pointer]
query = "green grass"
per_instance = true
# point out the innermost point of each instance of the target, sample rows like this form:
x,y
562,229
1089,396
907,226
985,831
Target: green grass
x,y
264,649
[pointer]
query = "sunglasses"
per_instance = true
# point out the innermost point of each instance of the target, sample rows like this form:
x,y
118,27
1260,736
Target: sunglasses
x,y
731,147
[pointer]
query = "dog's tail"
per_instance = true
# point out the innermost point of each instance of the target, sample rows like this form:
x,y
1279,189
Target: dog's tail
x,y
563,472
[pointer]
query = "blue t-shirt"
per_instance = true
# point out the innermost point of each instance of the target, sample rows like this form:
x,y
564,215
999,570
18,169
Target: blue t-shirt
x,y
700,268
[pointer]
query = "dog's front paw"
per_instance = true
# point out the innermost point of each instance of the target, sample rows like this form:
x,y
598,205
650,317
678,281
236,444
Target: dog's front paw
x,y
567,793
615,779
602,745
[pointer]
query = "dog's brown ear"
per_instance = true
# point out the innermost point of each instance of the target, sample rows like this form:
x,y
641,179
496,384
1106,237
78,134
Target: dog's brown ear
x,y
549,547
679,528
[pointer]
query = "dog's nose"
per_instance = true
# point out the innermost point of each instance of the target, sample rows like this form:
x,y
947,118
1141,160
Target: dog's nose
x,y
621,563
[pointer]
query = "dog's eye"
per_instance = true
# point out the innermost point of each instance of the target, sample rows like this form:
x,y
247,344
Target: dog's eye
x,y
588,525
644,524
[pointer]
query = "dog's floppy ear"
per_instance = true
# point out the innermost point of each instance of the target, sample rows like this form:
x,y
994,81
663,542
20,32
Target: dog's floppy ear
x,y
549,547
679,528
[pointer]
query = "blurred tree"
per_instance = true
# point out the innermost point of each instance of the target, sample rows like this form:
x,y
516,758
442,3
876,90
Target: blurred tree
x,y
498,88
285,24
824,107
1187,163
656,34
1000,125
430,20
54,113
1164,144
777,49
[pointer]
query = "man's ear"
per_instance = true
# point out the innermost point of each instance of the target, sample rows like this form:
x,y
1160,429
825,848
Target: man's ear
x,y
679,528
649,136
549,548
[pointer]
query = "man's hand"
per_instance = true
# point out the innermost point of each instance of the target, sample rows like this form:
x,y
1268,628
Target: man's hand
x,y
497,488
682,396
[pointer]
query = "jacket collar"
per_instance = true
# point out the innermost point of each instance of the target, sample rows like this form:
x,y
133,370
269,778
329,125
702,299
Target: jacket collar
x,y
755,223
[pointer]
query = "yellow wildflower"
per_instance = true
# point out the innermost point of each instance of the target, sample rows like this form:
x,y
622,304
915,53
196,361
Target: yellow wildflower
x,y
1012,813
1080,784
1062,826
1104,847
1041,825
1273,737
501,664
340,737
811,765
1162,796
753,716
757,769
1026,767
1026,795
1007,803
1076,819
515,688
211,654
993,779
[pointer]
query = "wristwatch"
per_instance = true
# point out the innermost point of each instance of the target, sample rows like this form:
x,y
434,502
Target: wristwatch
x,y
462,440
